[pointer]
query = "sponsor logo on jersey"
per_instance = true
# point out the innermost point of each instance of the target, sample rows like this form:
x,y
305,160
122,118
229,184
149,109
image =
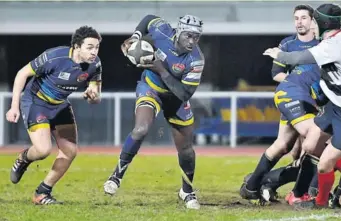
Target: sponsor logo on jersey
x,y
64,76
68,88
159,54
82,77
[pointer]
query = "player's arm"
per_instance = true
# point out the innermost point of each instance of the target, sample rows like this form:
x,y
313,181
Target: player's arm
x,y
94,89
279,70
145,25
324,53
19,84
38,67
296,57
184,88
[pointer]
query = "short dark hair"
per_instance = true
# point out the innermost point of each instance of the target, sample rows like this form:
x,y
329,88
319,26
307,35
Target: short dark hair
x,y
305,7
83,33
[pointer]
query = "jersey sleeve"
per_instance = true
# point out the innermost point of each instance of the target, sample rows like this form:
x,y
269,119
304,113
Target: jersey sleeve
x,y
193,76
277,66
96,75
42,65
158,24
328,51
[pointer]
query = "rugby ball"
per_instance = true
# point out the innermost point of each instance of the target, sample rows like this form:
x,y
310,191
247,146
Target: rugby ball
x,y
140,51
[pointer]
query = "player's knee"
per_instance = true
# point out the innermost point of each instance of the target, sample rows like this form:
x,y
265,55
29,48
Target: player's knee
x,y
325,166
309,147
281,147
140,131
68,152
71,152
42,151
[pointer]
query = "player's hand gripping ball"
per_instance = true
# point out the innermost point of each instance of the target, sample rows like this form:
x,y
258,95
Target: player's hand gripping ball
x,y
140,52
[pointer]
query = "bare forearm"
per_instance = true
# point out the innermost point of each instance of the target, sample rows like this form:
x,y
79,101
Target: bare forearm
x,y
18,86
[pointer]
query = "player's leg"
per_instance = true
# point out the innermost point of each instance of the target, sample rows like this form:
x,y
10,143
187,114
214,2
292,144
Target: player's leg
x,y
277,178
64,131
316,137
147,107
281,176
285,140
330,156
37,124
182,122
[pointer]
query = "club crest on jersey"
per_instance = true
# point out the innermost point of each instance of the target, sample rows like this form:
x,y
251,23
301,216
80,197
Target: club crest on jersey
x,y
178,68
82,77
64,76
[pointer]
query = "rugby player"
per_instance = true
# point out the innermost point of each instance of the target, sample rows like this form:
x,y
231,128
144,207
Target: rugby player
x,y
166,85
45,109
294,100
327,55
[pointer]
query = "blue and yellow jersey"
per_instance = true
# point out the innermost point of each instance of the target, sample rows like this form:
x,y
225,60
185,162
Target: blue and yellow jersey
x,y
186,67
57,75
302,75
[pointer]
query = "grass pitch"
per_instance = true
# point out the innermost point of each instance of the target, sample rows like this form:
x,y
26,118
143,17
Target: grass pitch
x,y
148,192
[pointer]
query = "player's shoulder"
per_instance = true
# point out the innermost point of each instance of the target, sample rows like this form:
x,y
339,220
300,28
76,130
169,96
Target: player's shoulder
x,y
197,57
58,52
96,66
288,40
161,28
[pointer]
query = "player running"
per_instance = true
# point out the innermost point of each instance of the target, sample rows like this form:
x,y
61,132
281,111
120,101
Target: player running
x,y
294,100
45,109
166,85
327,55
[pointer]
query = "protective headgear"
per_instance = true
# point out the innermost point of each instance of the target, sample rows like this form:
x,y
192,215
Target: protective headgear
x,y
327,17
189,23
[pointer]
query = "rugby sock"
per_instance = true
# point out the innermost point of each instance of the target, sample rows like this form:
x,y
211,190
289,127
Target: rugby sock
x,y
314,181
129,150
263,167
325,184
24,156
187,164
338,165
307,171
44,189
281,176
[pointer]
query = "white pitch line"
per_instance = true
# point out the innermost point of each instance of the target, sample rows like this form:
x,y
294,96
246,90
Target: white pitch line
x,y
302,218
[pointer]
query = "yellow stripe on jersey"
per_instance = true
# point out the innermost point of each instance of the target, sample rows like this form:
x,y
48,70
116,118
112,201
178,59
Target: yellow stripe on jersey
x,y
152,21
302,118
35,127
154,86
29,64
181,122
48,99
279,64
70,53
190,83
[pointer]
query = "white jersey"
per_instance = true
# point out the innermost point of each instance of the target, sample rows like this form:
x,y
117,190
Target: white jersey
x,y
328,56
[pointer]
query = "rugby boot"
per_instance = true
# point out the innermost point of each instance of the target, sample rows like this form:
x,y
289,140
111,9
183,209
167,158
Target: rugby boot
x,y
18,169
111,185
190,199
44,199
